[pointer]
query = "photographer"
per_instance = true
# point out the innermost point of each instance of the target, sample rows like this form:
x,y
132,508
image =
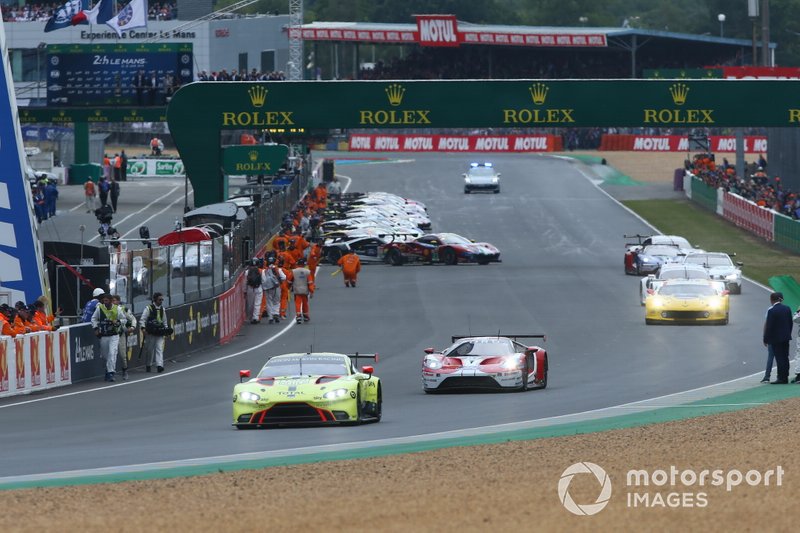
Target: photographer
x,y
130,329
272,283
107,321
154,327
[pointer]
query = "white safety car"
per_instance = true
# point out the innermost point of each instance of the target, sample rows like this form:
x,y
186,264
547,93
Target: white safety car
x,y
721,267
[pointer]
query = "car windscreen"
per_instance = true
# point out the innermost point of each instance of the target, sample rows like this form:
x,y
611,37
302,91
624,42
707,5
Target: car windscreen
x,y
687,290
492,347
452,238
660,250
306,366
683,274
481,172
710,260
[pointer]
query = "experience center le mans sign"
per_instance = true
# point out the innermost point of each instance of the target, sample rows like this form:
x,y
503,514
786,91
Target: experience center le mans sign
x,y
198,111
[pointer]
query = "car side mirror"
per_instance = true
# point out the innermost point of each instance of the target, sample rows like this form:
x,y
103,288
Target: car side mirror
x,y
243,374
428,350
498,174
366,369
740,263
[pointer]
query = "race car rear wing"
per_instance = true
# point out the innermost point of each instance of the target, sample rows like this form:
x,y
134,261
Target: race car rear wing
x,y
358,356
514,337
639,239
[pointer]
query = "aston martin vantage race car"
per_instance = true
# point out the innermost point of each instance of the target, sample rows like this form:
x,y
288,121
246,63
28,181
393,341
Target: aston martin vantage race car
x,y
308,388
498,363
687,301
447,248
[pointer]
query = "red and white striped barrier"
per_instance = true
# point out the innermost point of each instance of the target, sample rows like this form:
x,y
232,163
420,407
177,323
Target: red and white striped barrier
x,y
748,215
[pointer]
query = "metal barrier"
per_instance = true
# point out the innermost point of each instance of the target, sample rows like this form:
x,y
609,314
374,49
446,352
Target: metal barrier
x,y
190,272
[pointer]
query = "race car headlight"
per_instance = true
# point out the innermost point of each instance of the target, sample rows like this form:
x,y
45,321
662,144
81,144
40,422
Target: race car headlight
x,y
495,179
645,259
510,363
467,180
247,396
335,394
656,301
433,363
731,277
715,303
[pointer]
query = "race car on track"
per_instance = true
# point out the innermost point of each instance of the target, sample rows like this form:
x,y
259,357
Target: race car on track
x,y
308,388
494,363
481,177
651,282
632,249
719,266
367,246
447,248
649,259
687,301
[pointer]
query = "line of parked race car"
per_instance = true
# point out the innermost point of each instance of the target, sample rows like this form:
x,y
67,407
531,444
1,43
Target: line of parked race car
x,y
382,227
682,284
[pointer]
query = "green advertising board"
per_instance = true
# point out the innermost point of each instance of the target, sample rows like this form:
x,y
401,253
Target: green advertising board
x,y
199,111
253,159
55,115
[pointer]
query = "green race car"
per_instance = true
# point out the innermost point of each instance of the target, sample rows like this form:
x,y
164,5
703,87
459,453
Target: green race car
x,y
310,388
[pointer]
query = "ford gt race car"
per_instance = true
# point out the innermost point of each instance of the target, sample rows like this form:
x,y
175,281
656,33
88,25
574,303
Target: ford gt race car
x,y
447,248
687,301
310,388
493,363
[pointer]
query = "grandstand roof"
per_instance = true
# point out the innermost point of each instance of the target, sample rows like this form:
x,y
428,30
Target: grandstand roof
x,y
465,33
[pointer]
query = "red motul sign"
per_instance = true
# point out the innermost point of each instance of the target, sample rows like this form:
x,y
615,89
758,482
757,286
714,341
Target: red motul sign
x,y
455,143
437,30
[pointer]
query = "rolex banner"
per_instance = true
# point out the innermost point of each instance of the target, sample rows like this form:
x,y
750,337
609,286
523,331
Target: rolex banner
x,y
254,159
21,271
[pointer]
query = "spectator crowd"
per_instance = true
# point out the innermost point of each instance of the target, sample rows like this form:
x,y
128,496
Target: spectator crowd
x,y
755,185
41,11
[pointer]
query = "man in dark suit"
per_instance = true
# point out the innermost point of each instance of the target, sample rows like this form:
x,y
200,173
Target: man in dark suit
x,y
140,82
777,334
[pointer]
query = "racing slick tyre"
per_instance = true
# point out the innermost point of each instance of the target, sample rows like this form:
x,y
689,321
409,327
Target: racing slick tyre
x,y
525,376
449,256
546,369
395,257
375,410
483,261
466,191
334,254
736,289
497,190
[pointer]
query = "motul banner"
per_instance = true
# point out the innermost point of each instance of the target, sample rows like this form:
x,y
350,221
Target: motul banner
x,y
748,215
455,143
444,30
753,144
437,30
772,73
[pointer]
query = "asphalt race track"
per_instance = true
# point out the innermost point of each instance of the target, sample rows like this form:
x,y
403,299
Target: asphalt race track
x,y
562,275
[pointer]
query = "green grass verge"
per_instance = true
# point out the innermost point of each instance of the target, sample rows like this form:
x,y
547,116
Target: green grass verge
x,y
706,230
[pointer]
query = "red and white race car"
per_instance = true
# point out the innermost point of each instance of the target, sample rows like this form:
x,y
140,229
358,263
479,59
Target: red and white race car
x,y
499,363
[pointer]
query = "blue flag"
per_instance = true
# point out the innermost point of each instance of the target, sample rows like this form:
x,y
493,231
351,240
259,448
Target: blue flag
x,y
64,15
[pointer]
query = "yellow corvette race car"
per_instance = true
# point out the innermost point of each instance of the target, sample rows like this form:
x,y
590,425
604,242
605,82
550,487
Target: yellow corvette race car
x,y
308,388
688,301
